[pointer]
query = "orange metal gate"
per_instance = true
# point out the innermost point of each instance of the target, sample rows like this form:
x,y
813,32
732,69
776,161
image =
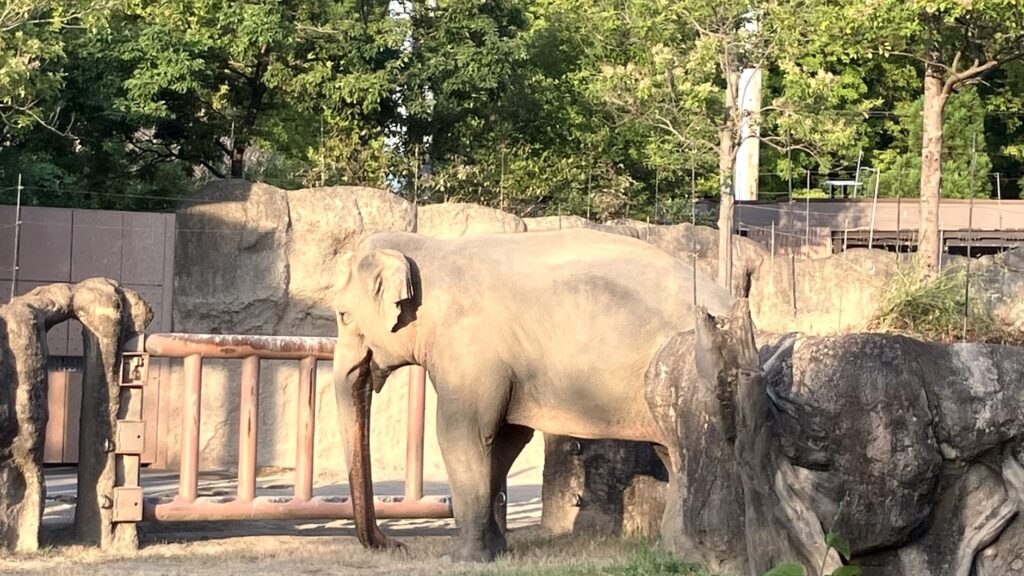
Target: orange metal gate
x,y
132,506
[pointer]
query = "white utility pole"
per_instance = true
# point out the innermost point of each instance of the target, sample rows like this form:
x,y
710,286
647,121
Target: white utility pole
x,y
748,157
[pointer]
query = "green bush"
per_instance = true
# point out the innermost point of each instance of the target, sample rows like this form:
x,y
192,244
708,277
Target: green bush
x,y
932,308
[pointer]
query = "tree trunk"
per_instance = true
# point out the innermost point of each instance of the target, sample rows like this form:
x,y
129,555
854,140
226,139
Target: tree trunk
x,y
726,161
930,251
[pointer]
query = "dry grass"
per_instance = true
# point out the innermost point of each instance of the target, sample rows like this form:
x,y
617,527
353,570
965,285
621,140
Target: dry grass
x,y
933,309
224,553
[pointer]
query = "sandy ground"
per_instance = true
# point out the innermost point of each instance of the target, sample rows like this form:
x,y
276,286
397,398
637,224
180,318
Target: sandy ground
x,y
286,547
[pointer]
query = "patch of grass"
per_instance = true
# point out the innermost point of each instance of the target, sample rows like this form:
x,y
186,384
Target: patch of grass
x,y
640,559
932,308
648,560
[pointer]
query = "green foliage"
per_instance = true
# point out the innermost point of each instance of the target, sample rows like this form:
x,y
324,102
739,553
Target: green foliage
x,y
832,542
786,570
534,106
932,308
900,164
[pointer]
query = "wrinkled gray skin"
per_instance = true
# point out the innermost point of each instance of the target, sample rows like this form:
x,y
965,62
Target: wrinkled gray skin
x,y
551,331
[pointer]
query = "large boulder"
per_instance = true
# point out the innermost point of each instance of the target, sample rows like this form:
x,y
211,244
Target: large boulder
x,y
325,224
1000,282
699,244
231,261
454,220
817,296
910,450
602,487
542,223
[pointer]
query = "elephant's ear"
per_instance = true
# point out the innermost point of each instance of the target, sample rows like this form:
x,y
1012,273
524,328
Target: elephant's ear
x,y
389,282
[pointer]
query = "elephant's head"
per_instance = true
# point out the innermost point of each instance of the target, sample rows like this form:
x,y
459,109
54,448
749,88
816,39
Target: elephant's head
x,y
374,305
376,333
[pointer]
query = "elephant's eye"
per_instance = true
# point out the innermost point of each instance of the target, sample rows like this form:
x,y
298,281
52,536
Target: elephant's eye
x,y
345,318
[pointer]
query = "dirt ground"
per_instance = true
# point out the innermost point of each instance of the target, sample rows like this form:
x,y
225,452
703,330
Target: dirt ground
x,y
248,548
310,547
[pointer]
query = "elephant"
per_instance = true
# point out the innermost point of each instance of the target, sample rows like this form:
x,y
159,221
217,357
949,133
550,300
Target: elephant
x,y
551,331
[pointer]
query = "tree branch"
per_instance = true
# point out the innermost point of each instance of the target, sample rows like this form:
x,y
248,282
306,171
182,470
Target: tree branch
x,y
956,78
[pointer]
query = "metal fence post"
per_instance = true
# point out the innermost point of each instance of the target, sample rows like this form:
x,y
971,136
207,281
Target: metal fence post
x,y
17,239
414,433
190,419
305,429
967,283
874,210
249,419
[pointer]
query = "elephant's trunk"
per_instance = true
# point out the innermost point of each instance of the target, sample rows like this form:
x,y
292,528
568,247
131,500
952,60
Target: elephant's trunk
x,y
354,392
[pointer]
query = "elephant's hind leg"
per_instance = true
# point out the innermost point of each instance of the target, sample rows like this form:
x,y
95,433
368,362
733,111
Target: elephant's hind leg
x,y
508,444
467,430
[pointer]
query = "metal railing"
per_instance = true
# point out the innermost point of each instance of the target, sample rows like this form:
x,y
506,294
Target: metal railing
x,y
245,504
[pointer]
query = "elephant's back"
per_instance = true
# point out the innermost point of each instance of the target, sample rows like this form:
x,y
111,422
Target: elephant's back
x,y
584,270
618,268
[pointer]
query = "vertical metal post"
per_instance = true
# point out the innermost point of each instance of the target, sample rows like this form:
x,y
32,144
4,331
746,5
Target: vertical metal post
x,y
874,210
999,200
414,434
734,227
846,232
899,227
247,428
792,281
807,220
791,240
942,244
190,419
772,257
693,195
967,282
693,227
657,175
305,428
693,255
17,239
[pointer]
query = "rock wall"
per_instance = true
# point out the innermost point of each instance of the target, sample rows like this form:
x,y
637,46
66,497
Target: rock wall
x,y
254,259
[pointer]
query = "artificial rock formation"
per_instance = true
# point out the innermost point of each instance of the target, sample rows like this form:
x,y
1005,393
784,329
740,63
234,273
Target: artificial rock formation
x,y
602,487
108,314
910,451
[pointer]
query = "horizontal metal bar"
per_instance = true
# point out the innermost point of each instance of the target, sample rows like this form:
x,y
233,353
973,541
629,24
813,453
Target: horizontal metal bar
x,y
283,508
177,345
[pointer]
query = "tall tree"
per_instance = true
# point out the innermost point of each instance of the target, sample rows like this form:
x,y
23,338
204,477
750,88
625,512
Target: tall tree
x,y
682,75
216,76
955,42
31,61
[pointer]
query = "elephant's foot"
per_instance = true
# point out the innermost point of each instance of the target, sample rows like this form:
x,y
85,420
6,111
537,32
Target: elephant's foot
x,y
377,540
476,551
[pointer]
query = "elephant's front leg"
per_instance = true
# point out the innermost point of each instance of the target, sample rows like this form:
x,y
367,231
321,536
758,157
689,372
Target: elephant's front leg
x,y
466,434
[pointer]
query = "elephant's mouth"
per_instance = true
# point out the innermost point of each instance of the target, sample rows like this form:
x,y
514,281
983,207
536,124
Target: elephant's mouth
x,y
378,375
